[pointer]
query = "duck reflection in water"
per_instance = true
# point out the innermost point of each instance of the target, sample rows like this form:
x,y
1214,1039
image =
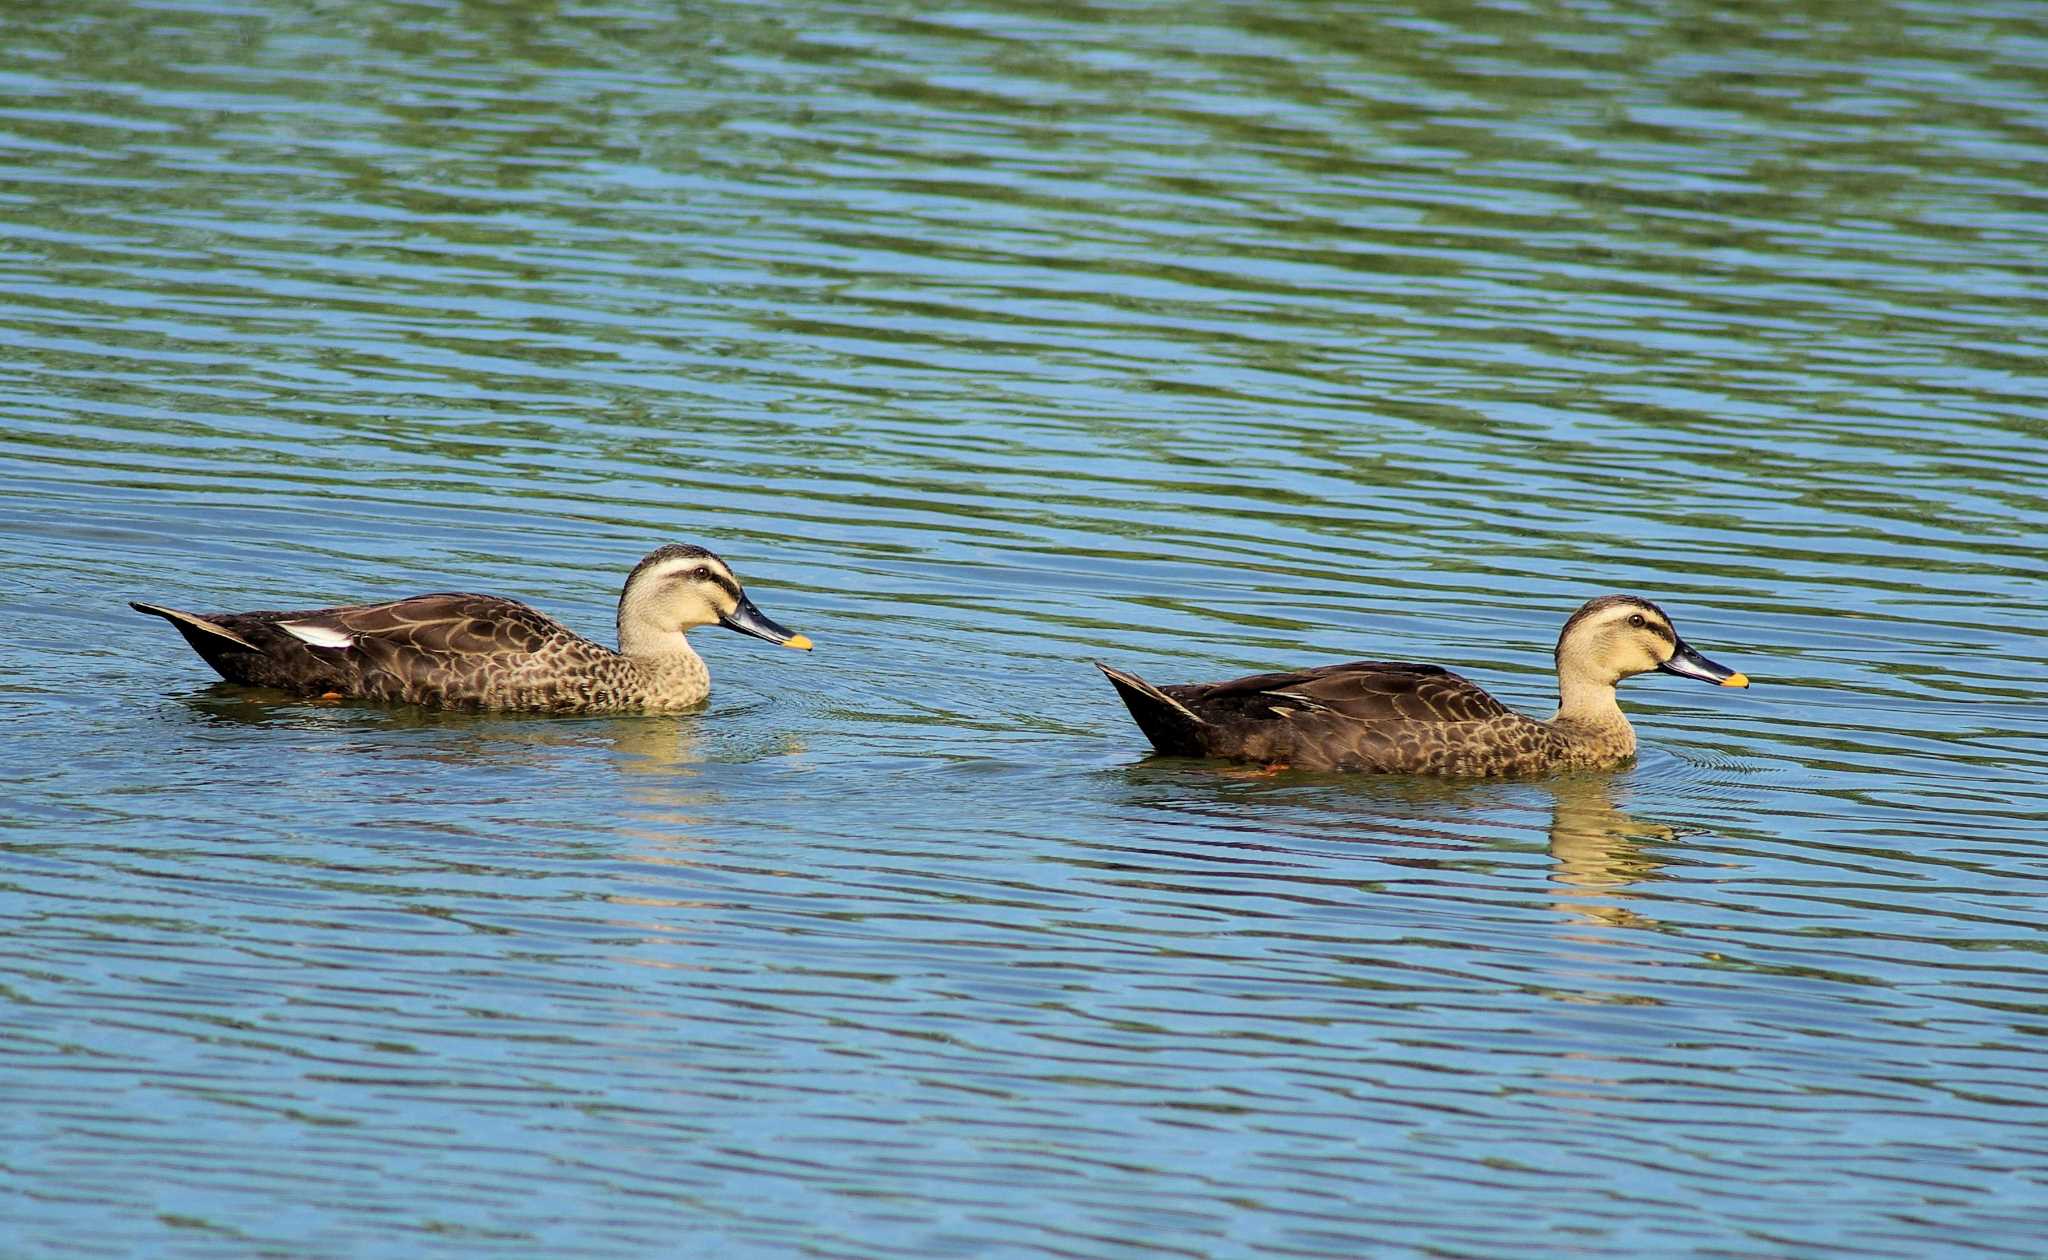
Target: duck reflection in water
x,y
1598,851
655,762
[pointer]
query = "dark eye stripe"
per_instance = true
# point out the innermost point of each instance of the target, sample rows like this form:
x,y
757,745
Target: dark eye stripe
x,y
1655,626
713,577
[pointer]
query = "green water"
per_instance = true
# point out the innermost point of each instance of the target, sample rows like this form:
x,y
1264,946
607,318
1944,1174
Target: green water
x,y
984,342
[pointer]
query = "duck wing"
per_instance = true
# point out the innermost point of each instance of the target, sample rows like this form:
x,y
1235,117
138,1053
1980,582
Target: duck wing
x,y
450,648
1358,691
447,624
1362,715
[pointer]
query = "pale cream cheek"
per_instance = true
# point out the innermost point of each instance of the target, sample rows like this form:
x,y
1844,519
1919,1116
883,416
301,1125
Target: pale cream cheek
x,y
691,608
658,615
1634,656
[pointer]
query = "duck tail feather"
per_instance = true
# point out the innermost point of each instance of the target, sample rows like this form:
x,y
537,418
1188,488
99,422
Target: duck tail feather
x,y
184,619
1172,727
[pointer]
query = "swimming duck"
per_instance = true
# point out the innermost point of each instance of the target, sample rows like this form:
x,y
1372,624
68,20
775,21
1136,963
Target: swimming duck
x,y
462,651
1423,719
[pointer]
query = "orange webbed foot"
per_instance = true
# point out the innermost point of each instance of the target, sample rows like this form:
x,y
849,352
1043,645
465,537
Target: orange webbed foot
x,y
1266,771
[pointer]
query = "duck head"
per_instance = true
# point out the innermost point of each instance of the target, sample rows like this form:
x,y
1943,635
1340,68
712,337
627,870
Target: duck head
x,y
678,588
1618,636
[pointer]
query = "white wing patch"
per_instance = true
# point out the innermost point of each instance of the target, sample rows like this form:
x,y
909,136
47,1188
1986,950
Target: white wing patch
x,y
318,636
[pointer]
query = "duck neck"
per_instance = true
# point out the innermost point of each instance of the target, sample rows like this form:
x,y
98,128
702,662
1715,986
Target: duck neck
x,y
657,647
1589,706
667,670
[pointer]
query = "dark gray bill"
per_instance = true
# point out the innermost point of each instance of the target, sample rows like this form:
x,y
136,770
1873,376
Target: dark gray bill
x,y
1687,663
748,619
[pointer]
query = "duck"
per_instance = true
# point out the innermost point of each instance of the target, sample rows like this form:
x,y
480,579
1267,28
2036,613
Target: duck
x,y
457,650
1397,718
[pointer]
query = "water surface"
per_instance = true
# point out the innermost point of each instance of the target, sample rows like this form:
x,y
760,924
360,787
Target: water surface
x,y
985,342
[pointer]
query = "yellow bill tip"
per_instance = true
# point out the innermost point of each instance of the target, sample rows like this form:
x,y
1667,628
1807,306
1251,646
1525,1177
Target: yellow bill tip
x,y
1735,680
804,642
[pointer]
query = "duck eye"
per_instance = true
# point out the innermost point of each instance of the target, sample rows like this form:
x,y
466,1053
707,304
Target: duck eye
x,y
1636,620
702,574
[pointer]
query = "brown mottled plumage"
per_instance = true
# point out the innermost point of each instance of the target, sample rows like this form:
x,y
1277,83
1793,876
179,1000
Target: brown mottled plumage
x,y
463,651
1423,719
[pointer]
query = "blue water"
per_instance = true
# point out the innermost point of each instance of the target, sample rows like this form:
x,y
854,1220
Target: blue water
x,y
984,343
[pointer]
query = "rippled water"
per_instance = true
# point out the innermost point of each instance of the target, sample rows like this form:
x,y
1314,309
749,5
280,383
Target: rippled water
x,y
986,341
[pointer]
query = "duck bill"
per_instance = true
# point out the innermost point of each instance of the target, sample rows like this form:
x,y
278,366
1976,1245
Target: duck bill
x,y
748,619
1687,663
